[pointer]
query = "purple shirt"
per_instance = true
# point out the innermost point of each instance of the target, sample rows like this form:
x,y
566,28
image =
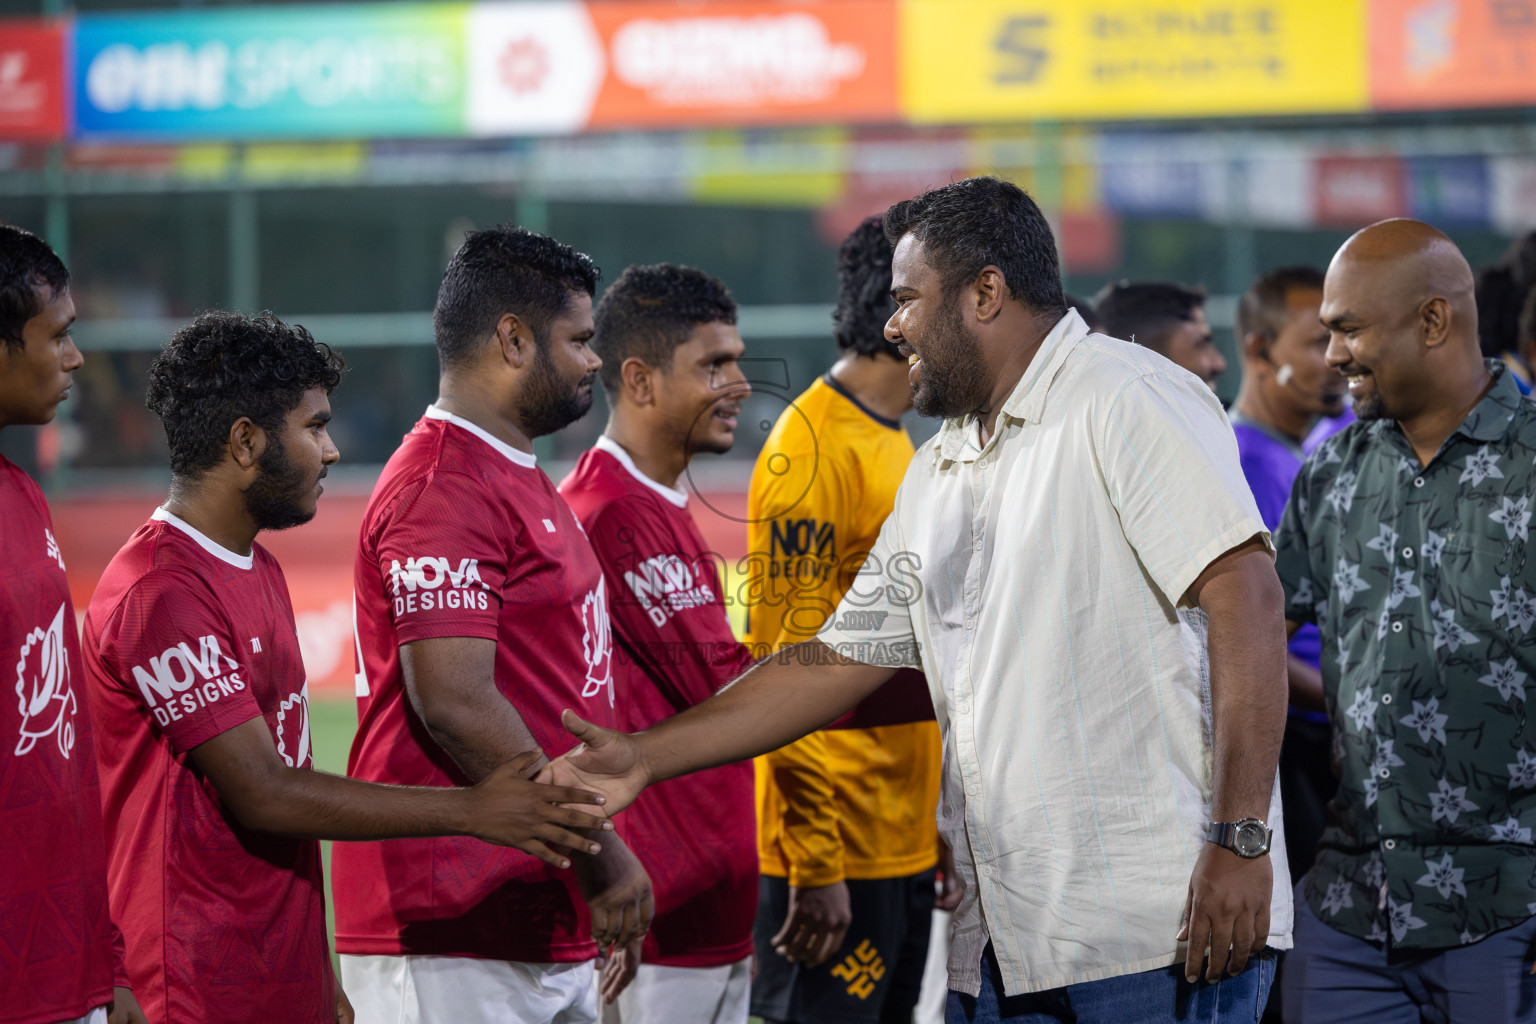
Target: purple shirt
x,y
1326,428
1271,461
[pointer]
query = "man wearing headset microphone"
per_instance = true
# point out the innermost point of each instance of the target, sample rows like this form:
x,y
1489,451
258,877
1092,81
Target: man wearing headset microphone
x,y
1286,387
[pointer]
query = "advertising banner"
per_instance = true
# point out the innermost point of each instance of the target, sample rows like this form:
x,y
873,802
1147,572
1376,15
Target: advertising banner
x,y
508,68
978,60
31,81
746,62
533,68
1449,190
485,69
1433,54
1513,184
1353,191
337,71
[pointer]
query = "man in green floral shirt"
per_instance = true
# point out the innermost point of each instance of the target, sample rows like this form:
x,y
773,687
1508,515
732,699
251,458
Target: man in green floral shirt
x,y
1405,541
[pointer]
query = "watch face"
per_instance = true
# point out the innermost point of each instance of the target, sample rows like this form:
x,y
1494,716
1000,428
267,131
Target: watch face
x,y
1250,839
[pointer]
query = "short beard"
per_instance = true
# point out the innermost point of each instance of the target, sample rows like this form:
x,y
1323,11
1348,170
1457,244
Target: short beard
x,y
1372,408
549,404
954,380
274,498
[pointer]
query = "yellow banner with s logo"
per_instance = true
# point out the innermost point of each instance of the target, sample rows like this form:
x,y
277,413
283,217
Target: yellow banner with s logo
x,y
1006,60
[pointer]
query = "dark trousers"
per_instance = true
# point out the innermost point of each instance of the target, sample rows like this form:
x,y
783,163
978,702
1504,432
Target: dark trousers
x,y
1334,978
873,978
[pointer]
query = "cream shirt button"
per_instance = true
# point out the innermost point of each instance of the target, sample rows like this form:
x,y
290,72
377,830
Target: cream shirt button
x,y
1390,844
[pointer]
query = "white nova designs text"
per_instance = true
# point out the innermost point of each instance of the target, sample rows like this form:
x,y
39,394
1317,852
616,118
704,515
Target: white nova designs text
x,y
430,583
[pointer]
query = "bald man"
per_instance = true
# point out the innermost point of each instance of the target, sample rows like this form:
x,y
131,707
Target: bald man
x,y
1405,543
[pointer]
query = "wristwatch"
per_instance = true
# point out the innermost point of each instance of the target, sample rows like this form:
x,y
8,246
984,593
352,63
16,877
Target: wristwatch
x,y
1248,838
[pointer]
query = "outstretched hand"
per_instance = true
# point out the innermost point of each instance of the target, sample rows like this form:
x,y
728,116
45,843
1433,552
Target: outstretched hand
x,y
606,761
518,812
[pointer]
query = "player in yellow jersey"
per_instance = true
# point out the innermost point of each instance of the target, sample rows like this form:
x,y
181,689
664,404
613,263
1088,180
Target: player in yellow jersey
x,y
847,838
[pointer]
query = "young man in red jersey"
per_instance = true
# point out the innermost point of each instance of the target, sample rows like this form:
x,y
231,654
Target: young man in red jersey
x,y
202,709
670,349
481,613
59,961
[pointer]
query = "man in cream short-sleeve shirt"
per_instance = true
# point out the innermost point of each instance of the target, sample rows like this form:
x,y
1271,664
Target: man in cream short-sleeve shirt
x,y
1076,563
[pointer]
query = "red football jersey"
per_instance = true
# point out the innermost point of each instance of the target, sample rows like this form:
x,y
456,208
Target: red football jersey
x,y
184,640
465,536
55,937
696,835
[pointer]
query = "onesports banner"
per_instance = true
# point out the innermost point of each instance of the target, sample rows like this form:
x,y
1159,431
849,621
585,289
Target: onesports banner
x,y
350,71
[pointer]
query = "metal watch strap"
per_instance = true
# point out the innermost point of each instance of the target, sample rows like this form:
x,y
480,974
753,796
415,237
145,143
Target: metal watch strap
x,y
1222,833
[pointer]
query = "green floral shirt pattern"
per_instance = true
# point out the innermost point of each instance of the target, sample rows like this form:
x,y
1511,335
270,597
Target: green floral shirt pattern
x,y
1418,578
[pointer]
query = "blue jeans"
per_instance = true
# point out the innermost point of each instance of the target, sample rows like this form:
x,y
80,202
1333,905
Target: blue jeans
x,y
1151,997
1334,978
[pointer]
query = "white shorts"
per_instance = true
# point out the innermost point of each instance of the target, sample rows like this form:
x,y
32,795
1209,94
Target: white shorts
x,y
684,995
96,1016
460,990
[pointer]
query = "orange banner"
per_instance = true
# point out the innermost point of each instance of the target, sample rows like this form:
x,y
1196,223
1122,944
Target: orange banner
x,y
1432,54
745,62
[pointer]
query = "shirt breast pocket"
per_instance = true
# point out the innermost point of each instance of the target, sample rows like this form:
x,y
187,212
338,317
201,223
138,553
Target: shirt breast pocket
x,y
1483,549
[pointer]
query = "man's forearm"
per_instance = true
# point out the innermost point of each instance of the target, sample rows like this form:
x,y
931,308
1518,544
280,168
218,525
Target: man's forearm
x,y
1248,685
777,701
596,871
483,735
309,804
451,686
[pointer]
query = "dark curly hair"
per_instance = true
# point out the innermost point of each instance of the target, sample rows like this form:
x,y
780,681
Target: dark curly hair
x,y
982,222
649,311
1146,312
502,270
223,366
864,291
27,267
